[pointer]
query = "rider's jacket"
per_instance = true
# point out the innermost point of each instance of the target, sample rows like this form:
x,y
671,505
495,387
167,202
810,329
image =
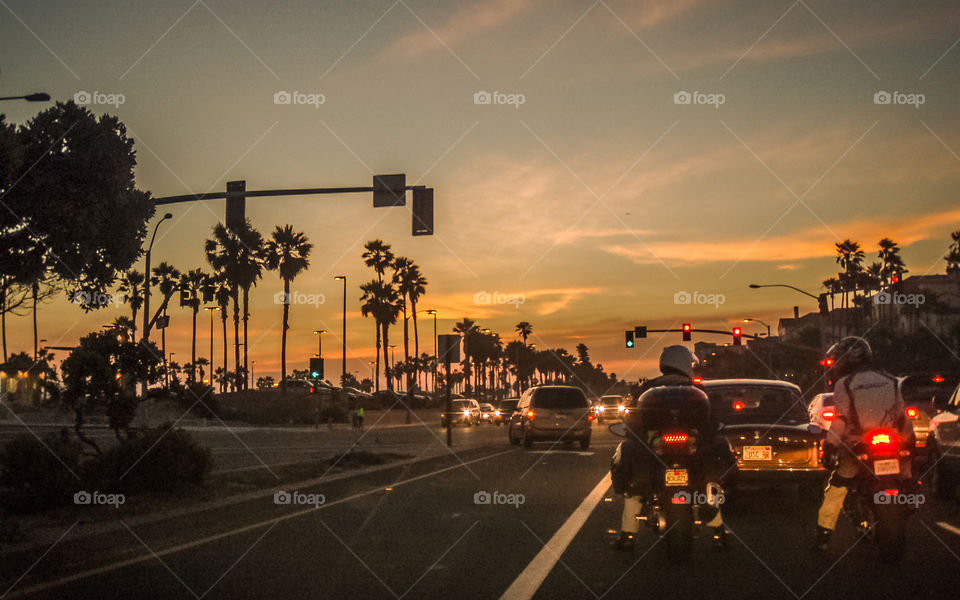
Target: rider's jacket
x,y
867,400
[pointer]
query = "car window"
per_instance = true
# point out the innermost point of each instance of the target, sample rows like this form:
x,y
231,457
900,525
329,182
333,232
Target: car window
x,y
733,405
508,405
461,405
559,398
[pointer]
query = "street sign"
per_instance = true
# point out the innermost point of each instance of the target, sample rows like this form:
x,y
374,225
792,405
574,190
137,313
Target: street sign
x,y
389,190
448,348
422,211
236,211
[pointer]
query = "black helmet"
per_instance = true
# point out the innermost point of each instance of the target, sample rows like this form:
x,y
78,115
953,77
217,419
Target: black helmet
x,y
850,354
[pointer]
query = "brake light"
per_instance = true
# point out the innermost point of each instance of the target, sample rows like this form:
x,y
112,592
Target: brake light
x,y
937,379
311,389
828,415
891,492
883,441
698,379
675,438
880,439
531,414
912,413
589,416
737,405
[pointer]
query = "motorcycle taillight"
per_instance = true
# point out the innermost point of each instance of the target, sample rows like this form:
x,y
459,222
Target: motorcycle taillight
x,y
883,442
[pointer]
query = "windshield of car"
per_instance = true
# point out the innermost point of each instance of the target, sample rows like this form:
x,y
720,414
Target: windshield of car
x,y
486,408
459,405
559,398
611,400
508,406
733,405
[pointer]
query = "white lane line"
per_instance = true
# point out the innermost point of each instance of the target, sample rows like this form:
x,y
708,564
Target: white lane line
x,y
39,587
949,527
529,581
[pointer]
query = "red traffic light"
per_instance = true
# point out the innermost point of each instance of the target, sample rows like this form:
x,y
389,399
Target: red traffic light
x,y
894,279
737,331
686,327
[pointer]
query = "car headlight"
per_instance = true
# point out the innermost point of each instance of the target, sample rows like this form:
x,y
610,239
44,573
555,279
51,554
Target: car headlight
x,y
601,408
466,413
496,413
621,408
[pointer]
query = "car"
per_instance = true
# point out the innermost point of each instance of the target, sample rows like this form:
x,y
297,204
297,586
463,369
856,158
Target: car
x,y
462,412
768,428
920,397
505,411
487,412
551,413
822,410
355,394
610,406
944,447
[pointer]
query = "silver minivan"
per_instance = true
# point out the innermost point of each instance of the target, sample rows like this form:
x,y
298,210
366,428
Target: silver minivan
x,y
552,413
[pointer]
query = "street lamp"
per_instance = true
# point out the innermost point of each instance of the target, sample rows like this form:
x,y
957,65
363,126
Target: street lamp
x,y
754,286
253,364
343,339
372,372
434,313
759,321
35,97
146,280
319,333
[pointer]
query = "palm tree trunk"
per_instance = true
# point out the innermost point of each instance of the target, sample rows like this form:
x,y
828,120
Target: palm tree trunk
x,y
35,290
246,319
236,339
386,363
376,383
416,339
193,347
283,337
3,319
406,351
223,321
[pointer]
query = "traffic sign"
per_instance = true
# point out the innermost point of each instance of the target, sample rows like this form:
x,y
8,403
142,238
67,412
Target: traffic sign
x,y
389,190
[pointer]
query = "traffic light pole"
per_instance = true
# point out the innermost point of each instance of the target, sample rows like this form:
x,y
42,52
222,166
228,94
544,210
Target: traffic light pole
x,y
716,331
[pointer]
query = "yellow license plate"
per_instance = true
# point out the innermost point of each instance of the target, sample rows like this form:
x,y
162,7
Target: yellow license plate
x,y
757,452
676,477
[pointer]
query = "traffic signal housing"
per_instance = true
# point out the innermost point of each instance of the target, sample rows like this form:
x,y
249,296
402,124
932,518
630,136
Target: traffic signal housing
x,y
822,305
628,339
737,336
316,368
640,331
687,331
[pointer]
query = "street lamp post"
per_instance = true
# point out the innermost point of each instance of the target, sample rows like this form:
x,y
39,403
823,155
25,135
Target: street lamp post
x,y
319,333
343,335
759,321
373,366
146,280
252,365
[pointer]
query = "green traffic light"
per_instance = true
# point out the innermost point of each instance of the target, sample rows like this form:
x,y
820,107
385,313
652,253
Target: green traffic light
x,y
315,374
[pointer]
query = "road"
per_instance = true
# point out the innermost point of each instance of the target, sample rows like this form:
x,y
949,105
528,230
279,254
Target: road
x,y
415,531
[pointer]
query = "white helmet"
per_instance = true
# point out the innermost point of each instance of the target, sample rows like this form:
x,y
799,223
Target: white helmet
x,y
678,358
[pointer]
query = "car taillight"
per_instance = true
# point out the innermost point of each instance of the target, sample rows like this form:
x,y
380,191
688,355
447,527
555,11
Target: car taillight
x,y
675,438
828,415
891,492
589,416
531,414
737,405
912,413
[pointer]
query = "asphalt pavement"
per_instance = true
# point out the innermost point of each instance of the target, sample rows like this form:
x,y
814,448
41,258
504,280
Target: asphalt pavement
x,y
480,520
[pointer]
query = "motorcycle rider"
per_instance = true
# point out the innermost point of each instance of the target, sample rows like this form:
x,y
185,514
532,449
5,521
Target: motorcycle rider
x,y
633,461
866,398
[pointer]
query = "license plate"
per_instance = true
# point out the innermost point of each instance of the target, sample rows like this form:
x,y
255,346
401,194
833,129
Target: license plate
x,y
758,453
676,477
890,466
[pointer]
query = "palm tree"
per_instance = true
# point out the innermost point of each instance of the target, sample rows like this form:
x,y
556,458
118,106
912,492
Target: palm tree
x,y
415,287
236,253
382,302
222,294
287,253
377,254
524,329
166,278
953,255
411,284
850,258
193,283
466,328
131,285
891,260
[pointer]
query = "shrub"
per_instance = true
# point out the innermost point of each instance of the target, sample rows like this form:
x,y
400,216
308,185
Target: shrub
x,y
161,460
35,475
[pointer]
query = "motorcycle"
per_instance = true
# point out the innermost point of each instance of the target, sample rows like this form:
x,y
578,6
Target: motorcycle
x,y
879,503
677,499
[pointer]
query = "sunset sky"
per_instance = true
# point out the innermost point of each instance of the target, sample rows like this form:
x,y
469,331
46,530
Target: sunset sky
x,y
595,200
